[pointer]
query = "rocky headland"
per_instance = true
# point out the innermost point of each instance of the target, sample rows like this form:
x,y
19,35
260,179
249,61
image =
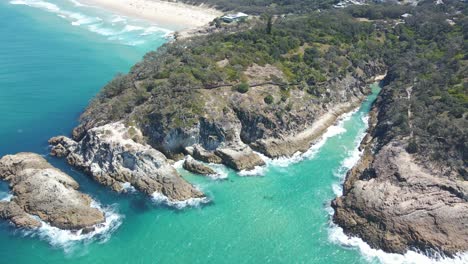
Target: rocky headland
x,y
44,193
403,194
115,155
212,107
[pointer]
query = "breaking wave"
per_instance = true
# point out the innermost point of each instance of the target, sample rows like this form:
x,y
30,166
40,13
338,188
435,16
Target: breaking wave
x,y
117,28
256,171
336,235
159,198
68,239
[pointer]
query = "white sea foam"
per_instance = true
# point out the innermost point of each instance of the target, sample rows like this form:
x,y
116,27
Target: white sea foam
x,y
76,3
159,198
153,29
256,171
178,164
334,130
6,197
129,28
117,18
336,235
67,239
221,172
128,187
99,29
38,4
114,27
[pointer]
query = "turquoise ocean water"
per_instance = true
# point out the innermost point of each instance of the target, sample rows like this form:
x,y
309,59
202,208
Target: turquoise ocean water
x,y
55,56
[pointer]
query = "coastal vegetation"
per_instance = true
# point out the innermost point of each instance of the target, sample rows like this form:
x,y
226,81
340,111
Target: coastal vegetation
x,y
424,50
274,83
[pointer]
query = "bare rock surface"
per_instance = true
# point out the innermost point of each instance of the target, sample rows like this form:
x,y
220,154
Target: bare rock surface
x,y
197,167
240,159
114,154
43,192
395,204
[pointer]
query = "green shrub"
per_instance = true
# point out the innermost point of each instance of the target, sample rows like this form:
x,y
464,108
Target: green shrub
x,y
412,147
242,87
268,99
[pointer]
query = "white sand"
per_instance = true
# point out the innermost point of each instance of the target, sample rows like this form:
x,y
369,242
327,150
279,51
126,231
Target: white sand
x,y
169,14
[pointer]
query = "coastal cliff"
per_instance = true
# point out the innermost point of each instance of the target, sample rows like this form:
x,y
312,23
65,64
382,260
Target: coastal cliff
x,y
274,88
44,193
220,98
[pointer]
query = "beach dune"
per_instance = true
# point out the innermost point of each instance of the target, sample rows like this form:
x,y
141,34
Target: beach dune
x,y
172,15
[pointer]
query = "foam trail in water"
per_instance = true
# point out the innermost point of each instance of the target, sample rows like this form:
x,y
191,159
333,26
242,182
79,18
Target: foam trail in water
x,y
160,198
67,239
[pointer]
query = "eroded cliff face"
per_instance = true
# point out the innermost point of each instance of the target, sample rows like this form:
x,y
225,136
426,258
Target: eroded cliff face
x,y
42,192
223,125
242,122
394,201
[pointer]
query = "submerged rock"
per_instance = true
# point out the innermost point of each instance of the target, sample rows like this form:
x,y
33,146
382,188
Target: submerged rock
x,y
197,167
113,155
45,192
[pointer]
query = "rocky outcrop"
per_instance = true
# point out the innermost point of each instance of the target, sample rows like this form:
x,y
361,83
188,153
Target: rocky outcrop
x,y
115,155
197,167
42,192
395,204
240,159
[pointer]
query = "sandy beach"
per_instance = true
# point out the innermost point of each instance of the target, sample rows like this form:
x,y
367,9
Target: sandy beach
x,y
172,15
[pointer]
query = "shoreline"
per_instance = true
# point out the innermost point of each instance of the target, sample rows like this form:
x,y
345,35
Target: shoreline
x,y
172,15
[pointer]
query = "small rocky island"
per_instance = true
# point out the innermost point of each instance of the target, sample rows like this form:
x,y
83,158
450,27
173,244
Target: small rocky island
x,y
44,193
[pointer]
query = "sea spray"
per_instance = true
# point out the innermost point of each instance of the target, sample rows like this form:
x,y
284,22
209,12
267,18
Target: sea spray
x,y
68,240
160,198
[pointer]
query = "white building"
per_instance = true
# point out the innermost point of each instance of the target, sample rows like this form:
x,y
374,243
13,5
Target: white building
x,y
234,17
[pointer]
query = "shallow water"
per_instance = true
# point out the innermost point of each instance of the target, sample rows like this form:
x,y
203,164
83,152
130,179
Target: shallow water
x,y
53,62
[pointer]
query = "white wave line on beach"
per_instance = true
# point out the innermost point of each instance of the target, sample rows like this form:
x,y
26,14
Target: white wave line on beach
x,y
98,25
76,3
67,239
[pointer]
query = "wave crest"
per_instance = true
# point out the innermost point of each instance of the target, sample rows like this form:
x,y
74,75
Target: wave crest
x,y
69,239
